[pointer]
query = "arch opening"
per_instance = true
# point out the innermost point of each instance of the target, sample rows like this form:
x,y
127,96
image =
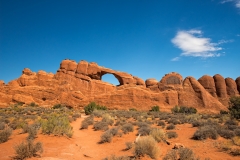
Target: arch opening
x,y
110,78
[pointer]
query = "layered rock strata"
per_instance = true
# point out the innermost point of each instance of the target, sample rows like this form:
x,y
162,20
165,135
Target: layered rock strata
x,y
77,84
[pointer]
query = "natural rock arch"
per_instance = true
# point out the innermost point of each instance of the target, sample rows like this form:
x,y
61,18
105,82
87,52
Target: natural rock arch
x,y
117,77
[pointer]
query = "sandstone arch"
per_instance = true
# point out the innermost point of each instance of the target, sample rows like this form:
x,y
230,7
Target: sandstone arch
x,y
120,81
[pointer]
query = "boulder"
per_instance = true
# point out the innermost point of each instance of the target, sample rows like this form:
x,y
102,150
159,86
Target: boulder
x,y
151,82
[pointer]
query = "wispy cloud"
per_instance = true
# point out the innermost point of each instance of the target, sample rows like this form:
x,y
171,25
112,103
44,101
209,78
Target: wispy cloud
x,y
236,2
193,44
175,59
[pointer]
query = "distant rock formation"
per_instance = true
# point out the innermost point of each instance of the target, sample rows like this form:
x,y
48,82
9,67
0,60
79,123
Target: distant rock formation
x,y
77,84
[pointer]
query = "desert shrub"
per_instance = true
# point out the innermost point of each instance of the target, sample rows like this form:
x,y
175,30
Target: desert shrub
x,y
2,125
225,133
237,132
205,132
98,113
173,121
236,140
235,152
197,123
108,119
155,109
114,131
24,127
84,125
126,128
76,116
27,149
146,146
93,106
234,107
172,134
161,123
142,124
57,124
231,122
32,132
170,127
106,137
5,134
113,157
129,145
132,109
144,130
157,134
58,106
184,109
32,104
181,154
100,126
223,112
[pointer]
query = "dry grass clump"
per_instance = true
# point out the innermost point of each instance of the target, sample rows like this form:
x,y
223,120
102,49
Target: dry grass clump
x,y
147,146
157,134
5,134
27,149
180,154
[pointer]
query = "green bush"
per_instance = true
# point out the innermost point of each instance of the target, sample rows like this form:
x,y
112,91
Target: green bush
x,y
183,109
155,109
57,124
223,112
147,146
58,106
93,106
27,149
234,107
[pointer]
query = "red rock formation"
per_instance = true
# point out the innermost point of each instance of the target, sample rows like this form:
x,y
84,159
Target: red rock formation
x,y
77,84
208,83
231,87
238,84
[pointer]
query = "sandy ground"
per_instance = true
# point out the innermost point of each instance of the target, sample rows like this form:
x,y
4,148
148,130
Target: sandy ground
x,y
84,145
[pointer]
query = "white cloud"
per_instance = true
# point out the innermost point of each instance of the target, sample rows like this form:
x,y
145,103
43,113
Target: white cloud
x,y
175,59
193,44
236,2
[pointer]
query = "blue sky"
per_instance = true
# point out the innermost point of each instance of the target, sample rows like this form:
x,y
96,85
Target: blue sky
x,y
144,38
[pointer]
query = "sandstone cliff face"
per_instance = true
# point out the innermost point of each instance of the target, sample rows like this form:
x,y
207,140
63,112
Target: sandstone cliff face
x,y
77,84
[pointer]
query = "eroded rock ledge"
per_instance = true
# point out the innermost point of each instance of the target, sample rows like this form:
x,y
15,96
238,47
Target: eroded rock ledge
x,y
77,84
